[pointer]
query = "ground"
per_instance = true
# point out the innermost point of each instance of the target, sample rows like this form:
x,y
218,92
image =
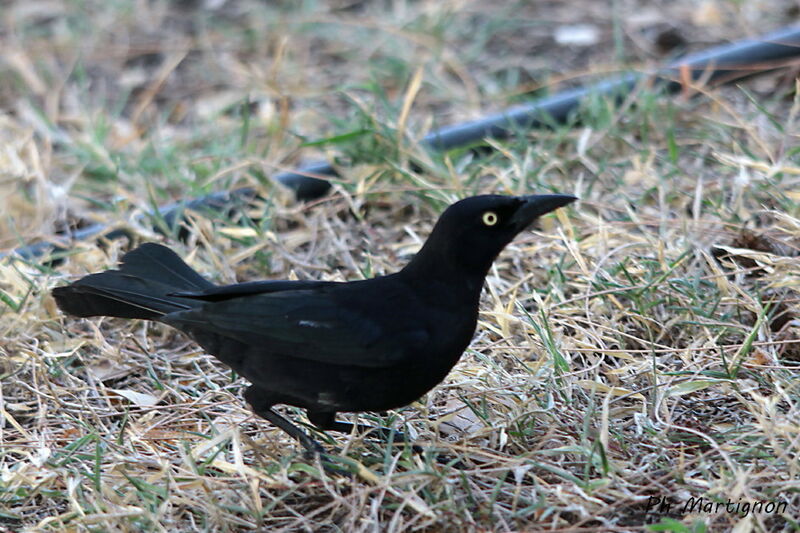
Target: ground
x,y
636,359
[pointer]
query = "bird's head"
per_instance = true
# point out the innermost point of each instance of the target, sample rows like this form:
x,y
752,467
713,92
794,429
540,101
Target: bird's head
x,y
471,232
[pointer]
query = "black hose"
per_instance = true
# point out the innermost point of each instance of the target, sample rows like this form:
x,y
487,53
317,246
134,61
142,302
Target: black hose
x,y
723,63
171,215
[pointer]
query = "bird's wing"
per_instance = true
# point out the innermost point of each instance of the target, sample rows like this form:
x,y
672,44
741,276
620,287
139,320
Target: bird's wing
x,y
237,290
312,325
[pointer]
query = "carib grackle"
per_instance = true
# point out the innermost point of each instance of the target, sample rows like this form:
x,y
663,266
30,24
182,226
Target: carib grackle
x,y
328,347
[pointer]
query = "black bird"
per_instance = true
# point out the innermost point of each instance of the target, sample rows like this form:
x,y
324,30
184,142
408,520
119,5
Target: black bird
x,y
328,347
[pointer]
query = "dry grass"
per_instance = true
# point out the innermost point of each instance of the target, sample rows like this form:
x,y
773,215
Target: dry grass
x,y
643,343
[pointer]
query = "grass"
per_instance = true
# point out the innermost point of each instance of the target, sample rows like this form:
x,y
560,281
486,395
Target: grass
x,y
642,344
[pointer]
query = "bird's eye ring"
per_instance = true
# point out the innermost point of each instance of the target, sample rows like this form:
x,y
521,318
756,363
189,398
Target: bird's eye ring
x,y
490,218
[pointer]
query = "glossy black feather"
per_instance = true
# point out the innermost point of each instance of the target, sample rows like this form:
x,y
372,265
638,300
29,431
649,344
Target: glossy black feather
x,y
330,324
218,293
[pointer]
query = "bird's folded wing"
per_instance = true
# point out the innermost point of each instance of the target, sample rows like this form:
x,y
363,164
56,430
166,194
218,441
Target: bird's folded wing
x,y
237,290
308,324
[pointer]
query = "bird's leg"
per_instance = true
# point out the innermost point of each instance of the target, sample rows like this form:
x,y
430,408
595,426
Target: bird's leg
x,y
262,403
263,408
313,448
295,432
327,421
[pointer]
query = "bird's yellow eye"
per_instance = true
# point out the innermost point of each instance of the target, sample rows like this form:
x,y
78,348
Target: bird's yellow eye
x,y
490,218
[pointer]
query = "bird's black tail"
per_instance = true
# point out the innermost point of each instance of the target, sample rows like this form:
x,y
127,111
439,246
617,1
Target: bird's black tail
x,y
143,287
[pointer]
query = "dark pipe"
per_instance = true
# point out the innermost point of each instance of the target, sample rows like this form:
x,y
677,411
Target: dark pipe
x,y
719,64
305,186
171,214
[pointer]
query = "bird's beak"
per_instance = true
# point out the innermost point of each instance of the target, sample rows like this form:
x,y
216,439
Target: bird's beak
x,y
536,205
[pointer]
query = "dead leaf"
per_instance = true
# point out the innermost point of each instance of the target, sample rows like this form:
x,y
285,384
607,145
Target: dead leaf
x,y
138,398
460,419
